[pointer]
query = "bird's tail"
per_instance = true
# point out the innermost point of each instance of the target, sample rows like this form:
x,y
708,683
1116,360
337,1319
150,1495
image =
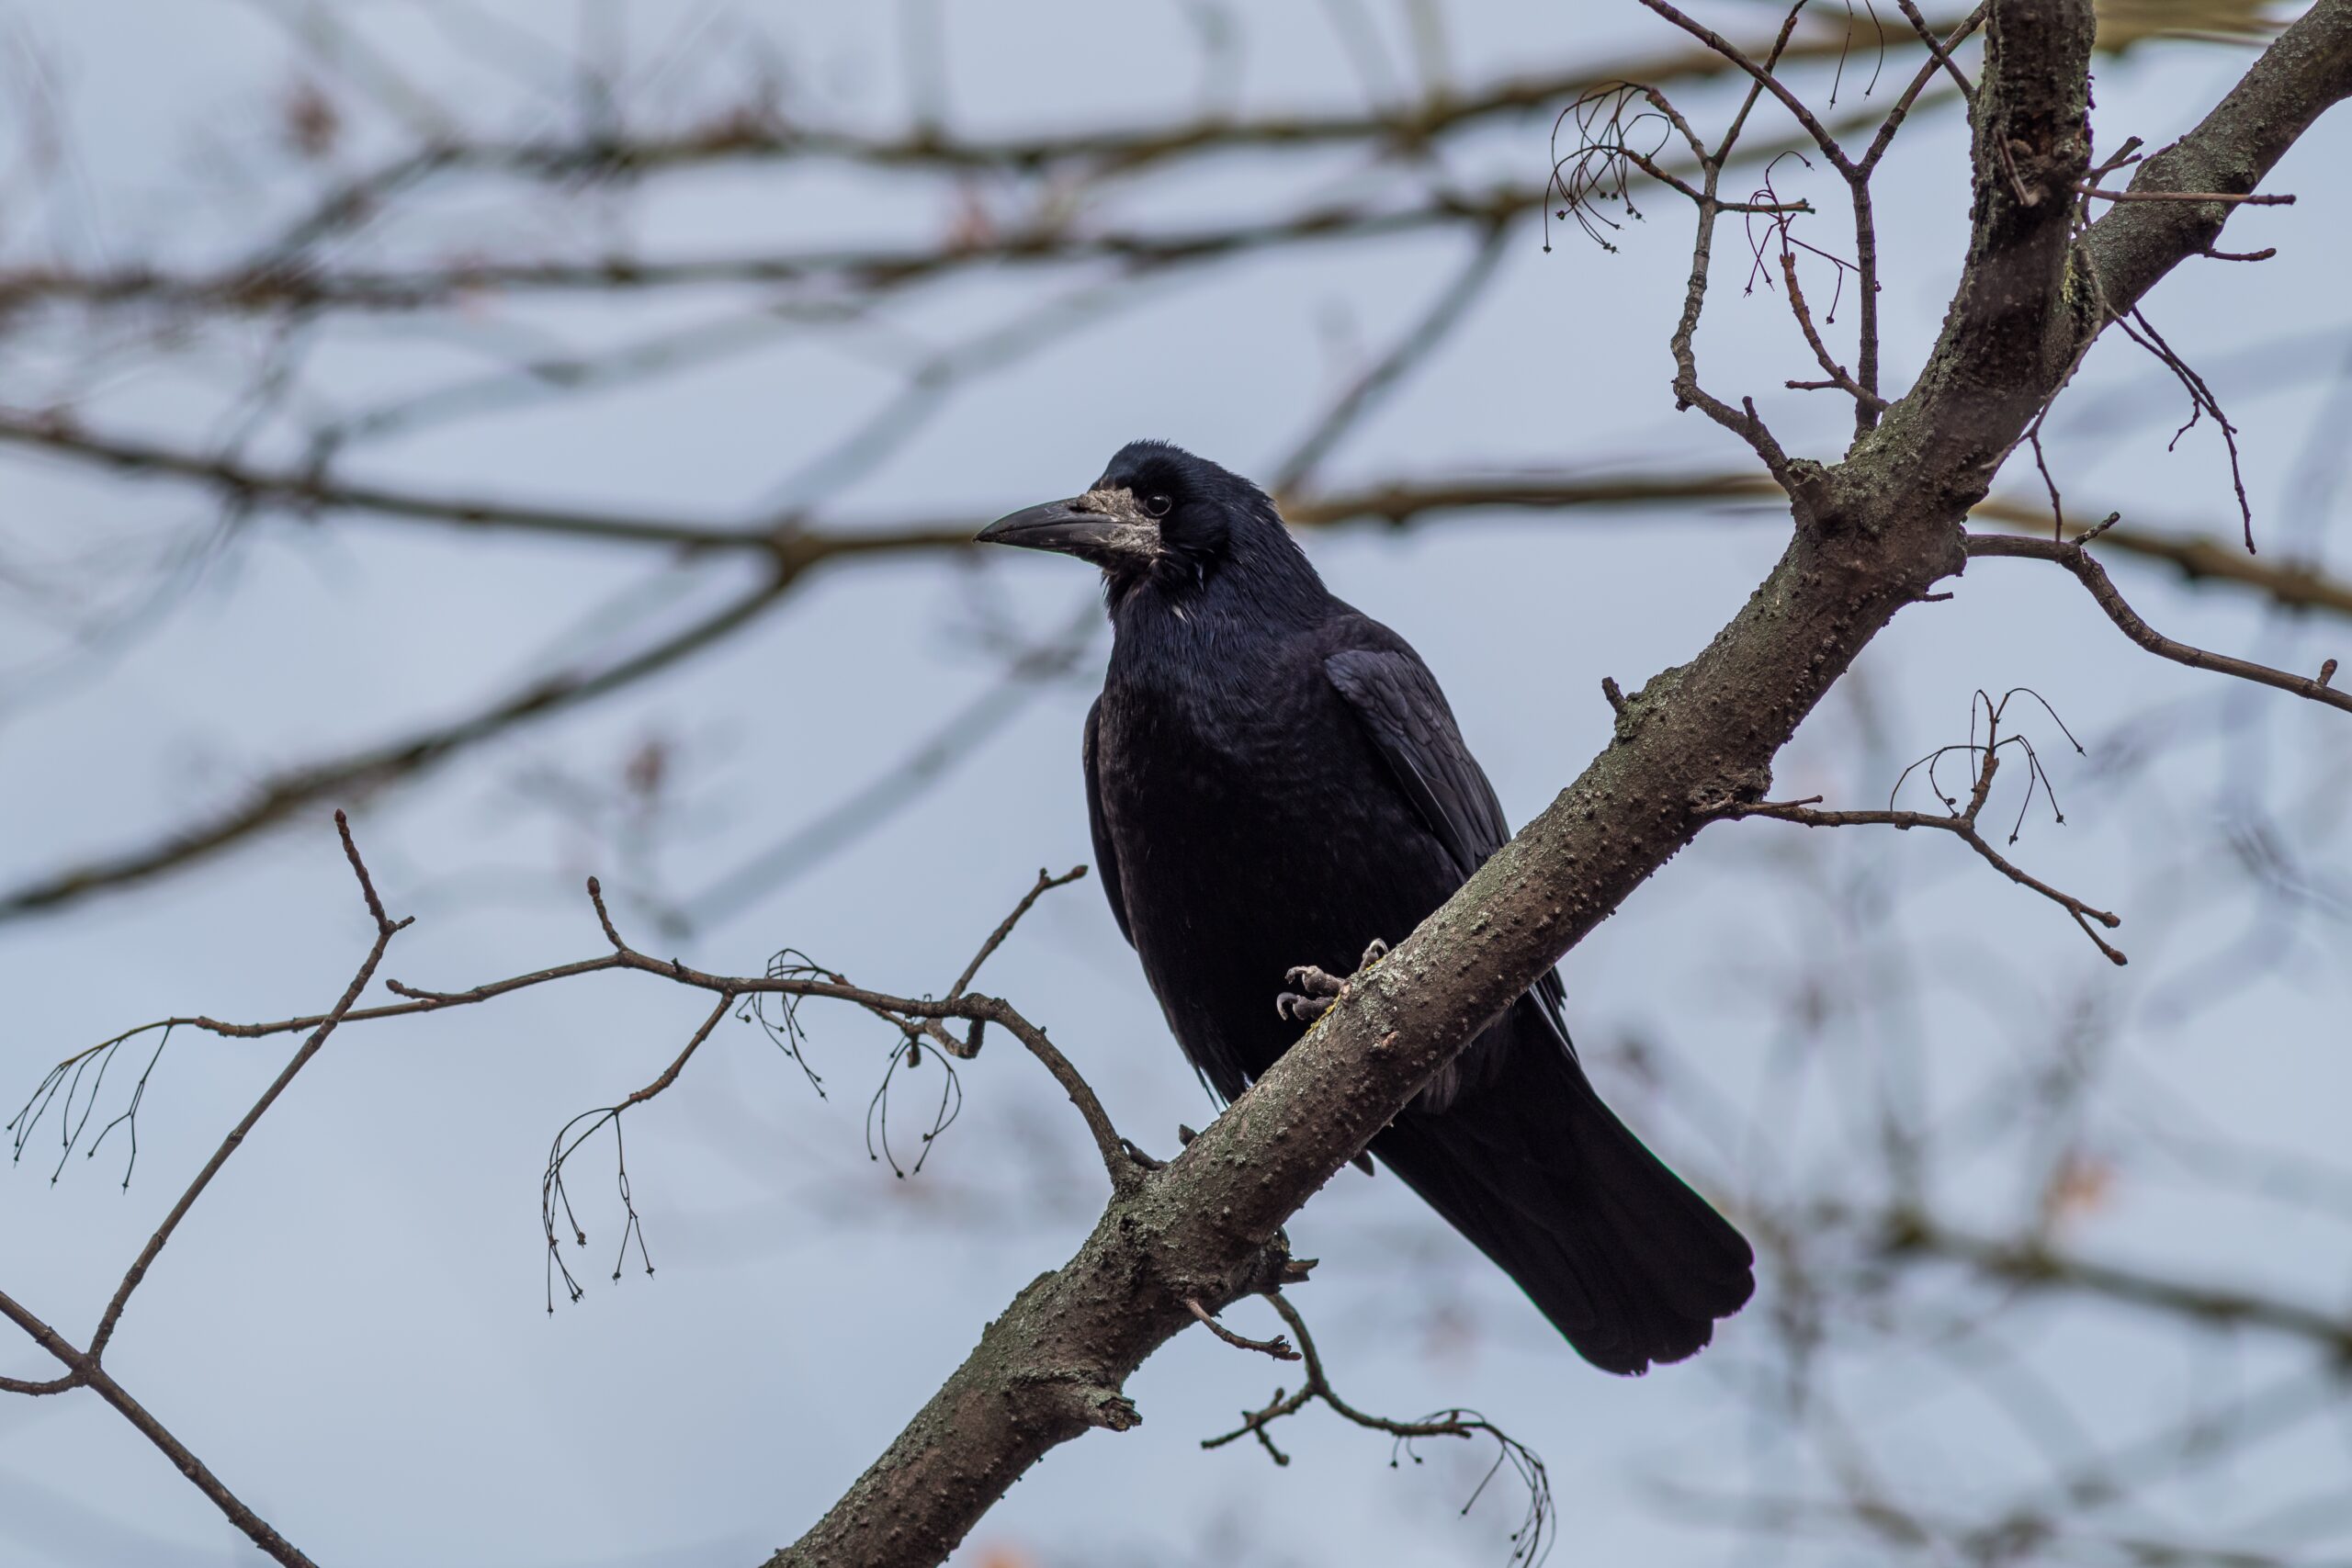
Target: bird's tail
x,y
1630,1264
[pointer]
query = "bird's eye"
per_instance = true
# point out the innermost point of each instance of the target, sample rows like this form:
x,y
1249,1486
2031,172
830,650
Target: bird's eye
x,y
1157,505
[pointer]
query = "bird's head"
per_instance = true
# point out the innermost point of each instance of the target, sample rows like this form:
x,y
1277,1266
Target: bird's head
x,y
1159,516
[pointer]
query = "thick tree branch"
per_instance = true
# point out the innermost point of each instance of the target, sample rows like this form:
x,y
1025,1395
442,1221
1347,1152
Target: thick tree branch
x,y
2013,326
1872,535
2302,76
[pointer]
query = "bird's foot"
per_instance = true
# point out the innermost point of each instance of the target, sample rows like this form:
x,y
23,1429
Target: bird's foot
x,y
1143,1158
1318,989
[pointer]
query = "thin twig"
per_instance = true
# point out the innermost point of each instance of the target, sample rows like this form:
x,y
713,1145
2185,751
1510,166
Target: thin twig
x,y
1960,821
2092,577
1804,813
1868,407
1942,51
1045,884
84,1371
386,929
1838,377
1529,1543
1278,1346
2248,200
1762,77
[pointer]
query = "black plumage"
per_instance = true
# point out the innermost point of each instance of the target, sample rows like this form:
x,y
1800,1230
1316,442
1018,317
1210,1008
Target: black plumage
x,y
1274,779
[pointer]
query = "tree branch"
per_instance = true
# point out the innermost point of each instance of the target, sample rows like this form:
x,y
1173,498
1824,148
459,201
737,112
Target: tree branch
x,y
1959,821
1529,1543
2092,576
913,1016
1872,535
278,290
1399,503
282,274
2304,73
279,797
386,929
83,1369
2031,1263
752,137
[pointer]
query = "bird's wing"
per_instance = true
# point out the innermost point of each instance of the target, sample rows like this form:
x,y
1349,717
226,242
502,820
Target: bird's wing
x,y
1397,701
1106,857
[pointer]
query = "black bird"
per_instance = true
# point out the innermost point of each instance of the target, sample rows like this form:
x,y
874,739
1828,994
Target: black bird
x,y
1273,780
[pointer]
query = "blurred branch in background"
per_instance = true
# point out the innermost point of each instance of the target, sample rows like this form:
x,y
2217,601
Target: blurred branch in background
x,y
309,275
1928,1250
788,553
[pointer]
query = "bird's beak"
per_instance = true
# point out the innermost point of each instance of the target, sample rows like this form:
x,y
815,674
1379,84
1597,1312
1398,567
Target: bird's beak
x,y
1094,527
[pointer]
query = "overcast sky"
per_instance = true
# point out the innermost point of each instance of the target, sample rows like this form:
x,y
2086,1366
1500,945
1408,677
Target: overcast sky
x,y
351,1329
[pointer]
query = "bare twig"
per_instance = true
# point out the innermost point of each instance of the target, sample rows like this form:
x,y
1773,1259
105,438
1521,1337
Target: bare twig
x,y
2201,402
1838,377
84,1367
2200,558
267,290
1763,77
386,929
1868,407
2094,578
596,152
305,490
1958,820
1278,1346
910,1015
1942,51
1047,883
1529,1543
2243,198
552,1194
83,1370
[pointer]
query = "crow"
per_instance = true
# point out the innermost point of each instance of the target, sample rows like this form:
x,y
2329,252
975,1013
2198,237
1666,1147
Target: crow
x,y
1275,786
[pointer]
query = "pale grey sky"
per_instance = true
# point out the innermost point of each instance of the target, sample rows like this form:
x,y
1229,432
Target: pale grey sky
x,y
351,1327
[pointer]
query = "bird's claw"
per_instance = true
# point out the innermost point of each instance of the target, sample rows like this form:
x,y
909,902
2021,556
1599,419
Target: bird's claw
x,y
1318,989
